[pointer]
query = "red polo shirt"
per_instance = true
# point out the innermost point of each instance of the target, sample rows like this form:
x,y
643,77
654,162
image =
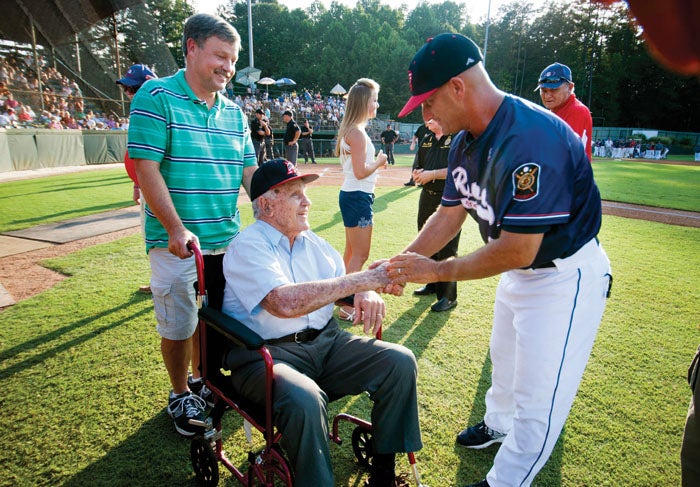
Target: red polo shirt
x,y
577,115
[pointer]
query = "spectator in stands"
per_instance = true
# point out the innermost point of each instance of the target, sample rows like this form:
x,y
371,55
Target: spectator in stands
x,y
5,120
24,116
68,121
10,101
55,123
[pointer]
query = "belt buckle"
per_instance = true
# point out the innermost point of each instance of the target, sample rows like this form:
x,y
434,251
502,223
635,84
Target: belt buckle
x,y
296,337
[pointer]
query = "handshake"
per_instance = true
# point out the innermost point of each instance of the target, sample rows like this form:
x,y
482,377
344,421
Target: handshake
x,y
394,273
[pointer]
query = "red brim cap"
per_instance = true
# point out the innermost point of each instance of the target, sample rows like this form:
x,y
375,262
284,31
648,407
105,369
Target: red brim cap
x,y
414,102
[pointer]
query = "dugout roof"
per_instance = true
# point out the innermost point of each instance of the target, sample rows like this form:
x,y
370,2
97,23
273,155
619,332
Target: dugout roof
x,y
56,21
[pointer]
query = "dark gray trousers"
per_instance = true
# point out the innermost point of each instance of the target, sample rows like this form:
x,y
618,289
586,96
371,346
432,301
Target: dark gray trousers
x,y
310,375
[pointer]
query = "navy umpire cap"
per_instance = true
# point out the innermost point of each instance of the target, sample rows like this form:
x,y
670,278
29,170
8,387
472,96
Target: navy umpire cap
x,y
442,57
274,173
553,76
136,75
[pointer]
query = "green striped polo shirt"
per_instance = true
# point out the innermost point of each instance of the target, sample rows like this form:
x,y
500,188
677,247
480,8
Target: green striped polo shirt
x,y
201,152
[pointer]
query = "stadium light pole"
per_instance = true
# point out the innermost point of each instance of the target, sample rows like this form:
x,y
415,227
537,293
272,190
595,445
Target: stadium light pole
x,y
486,34
250,35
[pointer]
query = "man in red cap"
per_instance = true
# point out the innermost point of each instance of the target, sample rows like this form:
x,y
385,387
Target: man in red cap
x,y
282,281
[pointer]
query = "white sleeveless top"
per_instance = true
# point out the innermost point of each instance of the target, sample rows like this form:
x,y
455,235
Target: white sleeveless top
x,y
350,182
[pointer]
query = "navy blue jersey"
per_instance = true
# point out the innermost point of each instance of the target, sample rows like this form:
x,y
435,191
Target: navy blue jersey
x,y
526,173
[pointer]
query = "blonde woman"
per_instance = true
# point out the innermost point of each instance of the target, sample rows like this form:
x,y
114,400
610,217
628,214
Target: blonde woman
x,y
359,165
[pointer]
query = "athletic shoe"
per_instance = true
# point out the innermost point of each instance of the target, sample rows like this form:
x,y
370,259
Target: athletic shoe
x,y
479,436
410,183
187,413
198,387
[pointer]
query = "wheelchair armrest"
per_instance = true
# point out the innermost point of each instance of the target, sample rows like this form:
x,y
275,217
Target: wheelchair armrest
x,y
231,328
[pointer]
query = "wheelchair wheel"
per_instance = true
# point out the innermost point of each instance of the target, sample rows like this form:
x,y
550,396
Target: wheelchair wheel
x,y
273,470
204,462
362,446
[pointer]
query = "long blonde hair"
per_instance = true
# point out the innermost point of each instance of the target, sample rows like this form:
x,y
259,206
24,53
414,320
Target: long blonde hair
x,y
356,107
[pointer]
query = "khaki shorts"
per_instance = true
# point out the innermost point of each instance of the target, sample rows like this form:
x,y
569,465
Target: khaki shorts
x,y
174,299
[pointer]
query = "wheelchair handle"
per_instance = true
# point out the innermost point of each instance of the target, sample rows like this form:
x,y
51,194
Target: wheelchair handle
x,y
199,263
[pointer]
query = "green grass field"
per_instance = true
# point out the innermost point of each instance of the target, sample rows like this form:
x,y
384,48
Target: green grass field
x,y
85,389
68,196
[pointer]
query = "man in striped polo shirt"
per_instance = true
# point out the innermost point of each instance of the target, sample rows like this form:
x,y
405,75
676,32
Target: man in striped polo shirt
x,y
192,151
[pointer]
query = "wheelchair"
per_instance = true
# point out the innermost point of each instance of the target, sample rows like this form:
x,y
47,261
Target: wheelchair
x,y
268,465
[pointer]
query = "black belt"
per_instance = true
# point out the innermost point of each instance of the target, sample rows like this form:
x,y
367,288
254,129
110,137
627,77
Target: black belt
x,y
431,192
544,266
302,336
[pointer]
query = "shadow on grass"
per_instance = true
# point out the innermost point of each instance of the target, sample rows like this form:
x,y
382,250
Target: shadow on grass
x,y
62,187
29,346
154,455
418,339
381,203
475,464
64,215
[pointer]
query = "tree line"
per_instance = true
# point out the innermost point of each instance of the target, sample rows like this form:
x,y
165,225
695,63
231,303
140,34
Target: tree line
x,y
319,47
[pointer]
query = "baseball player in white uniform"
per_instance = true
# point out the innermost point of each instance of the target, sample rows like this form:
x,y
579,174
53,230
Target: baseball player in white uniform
x,y
539,211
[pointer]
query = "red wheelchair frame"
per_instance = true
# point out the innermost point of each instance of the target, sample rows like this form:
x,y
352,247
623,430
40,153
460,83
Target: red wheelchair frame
x,y
268,466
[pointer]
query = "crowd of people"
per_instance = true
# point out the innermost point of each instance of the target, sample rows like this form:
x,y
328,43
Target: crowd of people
x,y
63,101
64,106
323,113
629,149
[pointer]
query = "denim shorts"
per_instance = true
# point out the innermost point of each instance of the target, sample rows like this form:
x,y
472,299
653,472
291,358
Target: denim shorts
x,y
356,208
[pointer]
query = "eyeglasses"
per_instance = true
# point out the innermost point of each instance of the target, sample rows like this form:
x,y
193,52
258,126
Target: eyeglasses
x,y
552,80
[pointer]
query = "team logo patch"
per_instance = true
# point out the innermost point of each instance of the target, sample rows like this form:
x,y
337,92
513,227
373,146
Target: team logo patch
x,y
291,170
526,180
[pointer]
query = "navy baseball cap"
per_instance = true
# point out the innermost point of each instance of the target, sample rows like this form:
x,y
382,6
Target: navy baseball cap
x,y
553,76
442,57
136,75
274,173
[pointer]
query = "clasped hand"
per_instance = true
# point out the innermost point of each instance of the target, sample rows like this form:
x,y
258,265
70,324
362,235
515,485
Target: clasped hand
x,y
406,267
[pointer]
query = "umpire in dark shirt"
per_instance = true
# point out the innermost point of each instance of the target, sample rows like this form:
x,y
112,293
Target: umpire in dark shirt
x,y
430,172
388,137
259,128
291,135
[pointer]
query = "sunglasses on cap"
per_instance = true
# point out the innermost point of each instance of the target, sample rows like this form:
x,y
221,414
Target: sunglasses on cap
x,y
552,80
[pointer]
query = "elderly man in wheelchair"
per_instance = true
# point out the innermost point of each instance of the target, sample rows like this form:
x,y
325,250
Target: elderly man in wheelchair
x,y
282,281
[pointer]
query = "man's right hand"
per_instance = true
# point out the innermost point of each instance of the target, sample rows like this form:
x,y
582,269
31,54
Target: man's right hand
x,y
177,243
